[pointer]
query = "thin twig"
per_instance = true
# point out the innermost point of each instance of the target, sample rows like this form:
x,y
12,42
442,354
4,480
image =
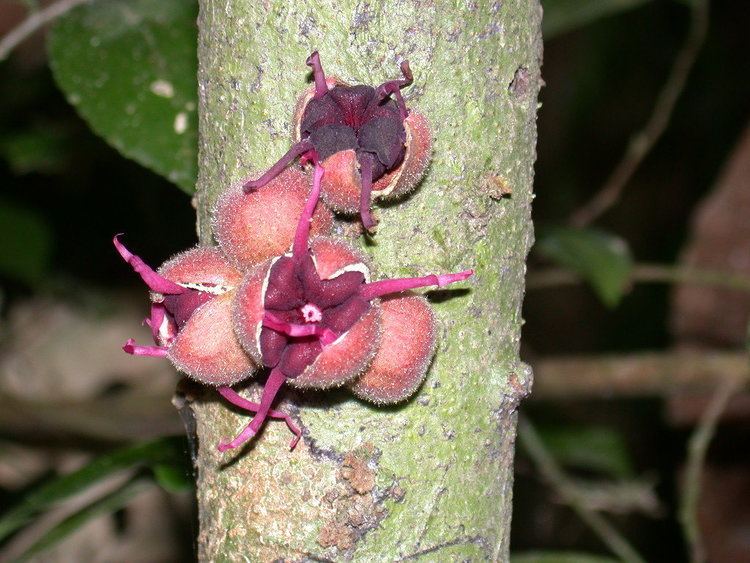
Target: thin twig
x,y
647,273
697,448
33,22
642,374
643,141
532,444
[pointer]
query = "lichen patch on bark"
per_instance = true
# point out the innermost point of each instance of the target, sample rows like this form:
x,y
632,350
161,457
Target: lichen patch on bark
x,y
353,500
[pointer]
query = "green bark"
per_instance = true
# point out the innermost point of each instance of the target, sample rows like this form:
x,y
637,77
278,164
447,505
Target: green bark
x,y
430,479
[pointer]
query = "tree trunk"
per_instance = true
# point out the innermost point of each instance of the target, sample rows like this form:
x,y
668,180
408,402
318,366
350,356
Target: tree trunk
x,y
431,478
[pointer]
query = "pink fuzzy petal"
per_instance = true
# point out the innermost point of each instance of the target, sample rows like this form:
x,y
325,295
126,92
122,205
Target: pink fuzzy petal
x,y
206,347
409,334
205,265
333,255
261,225
346,358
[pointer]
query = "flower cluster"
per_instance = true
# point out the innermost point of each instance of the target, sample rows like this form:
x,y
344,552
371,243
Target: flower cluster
x,y
371,145
279,293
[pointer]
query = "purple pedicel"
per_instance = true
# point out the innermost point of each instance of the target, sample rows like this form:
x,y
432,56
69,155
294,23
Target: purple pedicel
x,y
275,380
169,312
384,287
160,321
313,61
153,280
237,400
154,351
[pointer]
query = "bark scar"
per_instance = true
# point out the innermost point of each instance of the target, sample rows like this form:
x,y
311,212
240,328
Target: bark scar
x,y
357,509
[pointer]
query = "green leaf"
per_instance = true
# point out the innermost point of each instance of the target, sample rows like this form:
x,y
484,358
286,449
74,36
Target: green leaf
x,y
164,450
558,557
173,478
39,150
107,504
595,448
602,259
25,244
562,16
129,67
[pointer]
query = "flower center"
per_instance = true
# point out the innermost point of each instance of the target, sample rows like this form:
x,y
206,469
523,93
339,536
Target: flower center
x,y
311,313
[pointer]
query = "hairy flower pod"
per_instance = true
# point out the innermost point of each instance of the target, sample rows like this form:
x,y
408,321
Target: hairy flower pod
x,y
409,338
314,318
370,144
254,227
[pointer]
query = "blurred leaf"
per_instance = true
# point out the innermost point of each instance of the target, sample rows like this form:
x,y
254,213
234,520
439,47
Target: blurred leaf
x,y
39,150
173,477
602,259
165,450
595,448
562,16
31,5
25,243
558,557
107,504
129,67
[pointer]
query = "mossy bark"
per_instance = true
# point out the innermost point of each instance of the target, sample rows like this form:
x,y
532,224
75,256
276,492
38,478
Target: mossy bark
x,y
431,478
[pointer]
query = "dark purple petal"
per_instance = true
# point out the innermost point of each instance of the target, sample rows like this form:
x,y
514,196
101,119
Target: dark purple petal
x,y
353,102
329,293
298,355
342,317
330,139
385,138
272,346
386,108
320,112
284,291
182,306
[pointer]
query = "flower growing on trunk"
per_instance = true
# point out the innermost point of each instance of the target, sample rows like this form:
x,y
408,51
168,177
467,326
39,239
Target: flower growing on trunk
x,y
317,321
190,319
370,144
192,293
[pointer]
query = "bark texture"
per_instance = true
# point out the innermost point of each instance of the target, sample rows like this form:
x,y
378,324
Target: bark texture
x,y
430,479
